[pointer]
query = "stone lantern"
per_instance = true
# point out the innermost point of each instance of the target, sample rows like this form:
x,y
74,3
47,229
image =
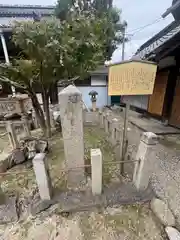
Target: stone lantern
x,y
93,95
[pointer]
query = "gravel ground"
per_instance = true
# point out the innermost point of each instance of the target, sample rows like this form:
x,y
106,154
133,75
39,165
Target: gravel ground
x,y
127,222
166,176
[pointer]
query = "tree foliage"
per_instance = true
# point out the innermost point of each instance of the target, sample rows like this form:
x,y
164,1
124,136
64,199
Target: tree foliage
x,y
102,9
53,50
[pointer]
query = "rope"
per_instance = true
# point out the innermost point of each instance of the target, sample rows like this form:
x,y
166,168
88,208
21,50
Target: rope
x,y
70,169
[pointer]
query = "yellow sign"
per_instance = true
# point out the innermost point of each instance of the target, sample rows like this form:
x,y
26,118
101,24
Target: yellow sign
x,y
132,78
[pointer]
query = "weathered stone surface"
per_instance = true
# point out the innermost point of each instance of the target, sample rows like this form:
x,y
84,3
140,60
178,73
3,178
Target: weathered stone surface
x,y
172,233
42,146
10,128
8,160
114,196
33,145
5,162
90,118
8,211
18,156
162,211
70,100
146,157
40,206
96,171
41,170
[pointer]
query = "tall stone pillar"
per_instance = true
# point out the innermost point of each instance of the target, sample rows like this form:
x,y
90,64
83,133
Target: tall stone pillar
x,y
71,112
147,156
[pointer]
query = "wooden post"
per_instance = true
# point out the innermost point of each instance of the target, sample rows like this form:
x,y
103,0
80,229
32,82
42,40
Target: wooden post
x,y
124,138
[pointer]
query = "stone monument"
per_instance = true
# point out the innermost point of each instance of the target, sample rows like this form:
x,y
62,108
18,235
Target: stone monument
x,y
71,113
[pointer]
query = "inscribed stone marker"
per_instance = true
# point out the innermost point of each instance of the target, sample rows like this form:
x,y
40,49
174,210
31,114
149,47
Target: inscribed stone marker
x,y
70,100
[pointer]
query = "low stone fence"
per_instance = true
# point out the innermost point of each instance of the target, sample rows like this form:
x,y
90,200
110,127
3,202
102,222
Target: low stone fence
x,y
113,125
90,118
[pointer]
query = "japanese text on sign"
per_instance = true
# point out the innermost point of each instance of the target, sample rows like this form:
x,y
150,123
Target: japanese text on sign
x,y
131,78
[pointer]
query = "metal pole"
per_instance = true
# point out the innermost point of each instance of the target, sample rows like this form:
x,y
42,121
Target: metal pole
x,y
3,41
124,136
123,43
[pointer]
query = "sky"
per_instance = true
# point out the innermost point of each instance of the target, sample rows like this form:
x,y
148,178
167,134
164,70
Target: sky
x,y
137,13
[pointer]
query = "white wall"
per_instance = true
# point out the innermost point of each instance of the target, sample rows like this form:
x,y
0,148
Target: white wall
x,y
102,97
10,20
98,80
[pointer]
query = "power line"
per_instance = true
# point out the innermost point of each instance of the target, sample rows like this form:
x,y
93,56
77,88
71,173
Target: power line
x,y
134,31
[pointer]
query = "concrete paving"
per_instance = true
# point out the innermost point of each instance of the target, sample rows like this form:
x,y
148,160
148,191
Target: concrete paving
x,y
150,125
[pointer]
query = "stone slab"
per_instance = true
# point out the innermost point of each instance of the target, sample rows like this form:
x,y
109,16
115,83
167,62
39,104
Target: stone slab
x,y
18,156
114,195
172,233
41,206
8,160
162,211
8,211
150,125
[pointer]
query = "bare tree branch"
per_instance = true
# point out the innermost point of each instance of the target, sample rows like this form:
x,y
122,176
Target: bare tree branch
x,y
15,84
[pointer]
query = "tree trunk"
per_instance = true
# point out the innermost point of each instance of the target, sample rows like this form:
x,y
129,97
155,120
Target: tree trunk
x,y
39,112
47,113
54,93
43,101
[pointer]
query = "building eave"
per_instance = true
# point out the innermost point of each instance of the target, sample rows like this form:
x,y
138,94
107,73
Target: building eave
x,y
25,10
151,46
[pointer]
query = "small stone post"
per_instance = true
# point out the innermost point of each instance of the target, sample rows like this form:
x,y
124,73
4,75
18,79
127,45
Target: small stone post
x,y
12,135
101,120
146,156
27,131
51,118
96,171
42,176
114,126
71,111
106,125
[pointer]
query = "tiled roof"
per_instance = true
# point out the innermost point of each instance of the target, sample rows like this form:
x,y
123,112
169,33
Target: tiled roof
x,y
151,46
25,10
